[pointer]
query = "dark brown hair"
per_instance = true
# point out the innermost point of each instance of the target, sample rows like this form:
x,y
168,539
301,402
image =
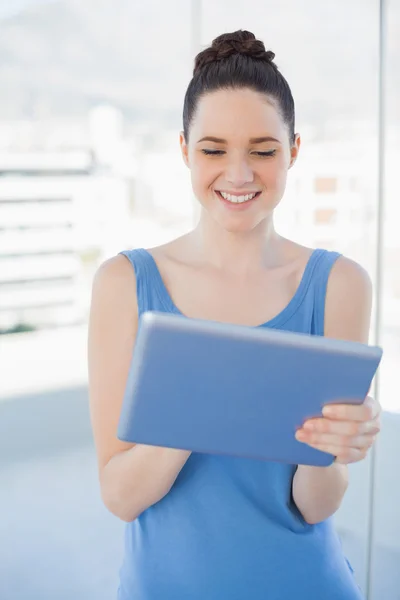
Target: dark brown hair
x,y
235,61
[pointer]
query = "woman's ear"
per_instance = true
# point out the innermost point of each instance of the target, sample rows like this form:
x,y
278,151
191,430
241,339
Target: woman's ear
x,y
184,149
294,150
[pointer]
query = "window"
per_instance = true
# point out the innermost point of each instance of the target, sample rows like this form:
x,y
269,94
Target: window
x,y
325,216
325,185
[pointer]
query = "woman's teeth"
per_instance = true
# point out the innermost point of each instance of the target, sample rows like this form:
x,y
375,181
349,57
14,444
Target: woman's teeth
x,y
238,199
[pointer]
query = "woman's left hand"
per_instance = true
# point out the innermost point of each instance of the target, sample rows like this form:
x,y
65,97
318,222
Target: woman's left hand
x,y
346,431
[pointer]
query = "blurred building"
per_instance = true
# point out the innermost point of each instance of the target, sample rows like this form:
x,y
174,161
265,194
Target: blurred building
x,y
60,215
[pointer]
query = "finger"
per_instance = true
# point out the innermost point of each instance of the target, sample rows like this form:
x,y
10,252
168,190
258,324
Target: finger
x,y
339,441
350,428
352,456
344,456
367,411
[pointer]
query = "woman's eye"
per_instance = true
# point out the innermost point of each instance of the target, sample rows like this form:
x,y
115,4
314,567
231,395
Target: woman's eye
x,y
212,152
265,154
269,153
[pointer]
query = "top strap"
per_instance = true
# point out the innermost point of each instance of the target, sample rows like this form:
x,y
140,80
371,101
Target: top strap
x,y
322,270
143,267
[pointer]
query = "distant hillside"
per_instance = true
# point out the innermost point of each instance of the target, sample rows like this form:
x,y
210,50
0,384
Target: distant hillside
x,y
64,57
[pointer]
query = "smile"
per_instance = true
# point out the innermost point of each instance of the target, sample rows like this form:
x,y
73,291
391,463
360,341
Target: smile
x,y
235,199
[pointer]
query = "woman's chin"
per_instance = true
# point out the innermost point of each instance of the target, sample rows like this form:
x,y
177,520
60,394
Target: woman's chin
x,y
241,225
233,221
238,219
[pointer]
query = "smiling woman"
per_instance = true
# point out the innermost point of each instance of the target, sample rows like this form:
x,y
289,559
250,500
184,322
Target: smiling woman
x,y
239,114
213,527
237,165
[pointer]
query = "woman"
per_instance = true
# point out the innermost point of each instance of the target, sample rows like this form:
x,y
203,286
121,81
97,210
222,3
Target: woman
x,y
210,527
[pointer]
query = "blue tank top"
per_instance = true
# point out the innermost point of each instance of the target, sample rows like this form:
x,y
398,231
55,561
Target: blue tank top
x,y
229,529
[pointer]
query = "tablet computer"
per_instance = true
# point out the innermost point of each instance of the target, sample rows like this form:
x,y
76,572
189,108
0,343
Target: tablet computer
x,y
241,391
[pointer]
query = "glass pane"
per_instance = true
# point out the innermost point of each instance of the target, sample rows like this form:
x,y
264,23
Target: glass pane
x,y
329,54
386,530
90,114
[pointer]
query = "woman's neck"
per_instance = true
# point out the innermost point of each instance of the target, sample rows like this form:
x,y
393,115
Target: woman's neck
x,y
238,252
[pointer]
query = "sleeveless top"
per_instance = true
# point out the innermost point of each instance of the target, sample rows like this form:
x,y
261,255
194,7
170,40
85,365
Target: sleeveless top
x,y
229,529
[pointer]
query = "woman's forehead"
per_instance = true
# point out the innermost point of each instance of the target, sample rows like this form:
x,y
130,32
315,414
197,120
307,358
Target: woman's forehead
x,y
230,114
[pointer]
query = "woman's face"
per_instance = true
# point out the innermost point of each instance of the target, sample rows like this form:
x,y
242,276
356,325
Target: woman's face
x,y
239,154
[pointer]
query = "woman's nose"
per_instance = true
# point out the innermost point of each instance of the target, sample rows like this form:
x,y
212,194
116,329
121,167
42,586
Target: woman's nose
x,y
239,173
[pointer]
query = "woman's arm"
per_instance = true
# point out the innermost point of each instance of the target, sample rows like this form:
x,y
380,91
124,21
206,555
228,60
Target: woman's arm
x,y
132,477
318,491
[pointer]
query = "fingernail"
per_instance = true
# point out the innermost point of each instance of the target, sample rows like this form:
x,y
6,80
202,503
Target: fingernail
x,y
308,425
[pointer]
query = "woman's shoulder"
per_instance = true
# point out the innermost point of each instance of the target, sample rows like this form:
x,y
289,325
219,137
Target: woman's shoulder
x,y
346,279
345,274
348,301
115,270
348,276
118,273
114,285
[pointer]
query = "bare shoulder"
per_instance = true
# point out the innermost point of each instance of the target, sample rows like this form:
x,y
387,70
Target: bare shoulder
x,y
114,300
114,282
115,271
349,277
348,301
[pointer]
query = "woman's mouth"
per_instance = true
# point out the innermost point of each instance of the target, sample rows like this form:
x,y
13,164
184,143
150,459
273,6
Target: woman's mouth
x,y
235,199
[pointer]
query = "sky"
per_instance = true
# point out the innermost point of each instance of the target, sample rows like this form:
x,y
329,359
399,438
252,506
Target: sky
x,y
10,8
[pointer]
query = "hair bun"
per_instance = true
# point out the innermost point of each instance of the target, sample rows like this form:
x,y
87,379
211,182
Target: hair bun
x,y
225,45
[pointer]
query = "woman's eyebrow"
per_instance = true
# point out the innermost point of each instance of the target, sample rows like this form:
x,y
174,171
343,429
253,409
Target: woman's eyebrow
x,y
257,140
266,138
210,138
